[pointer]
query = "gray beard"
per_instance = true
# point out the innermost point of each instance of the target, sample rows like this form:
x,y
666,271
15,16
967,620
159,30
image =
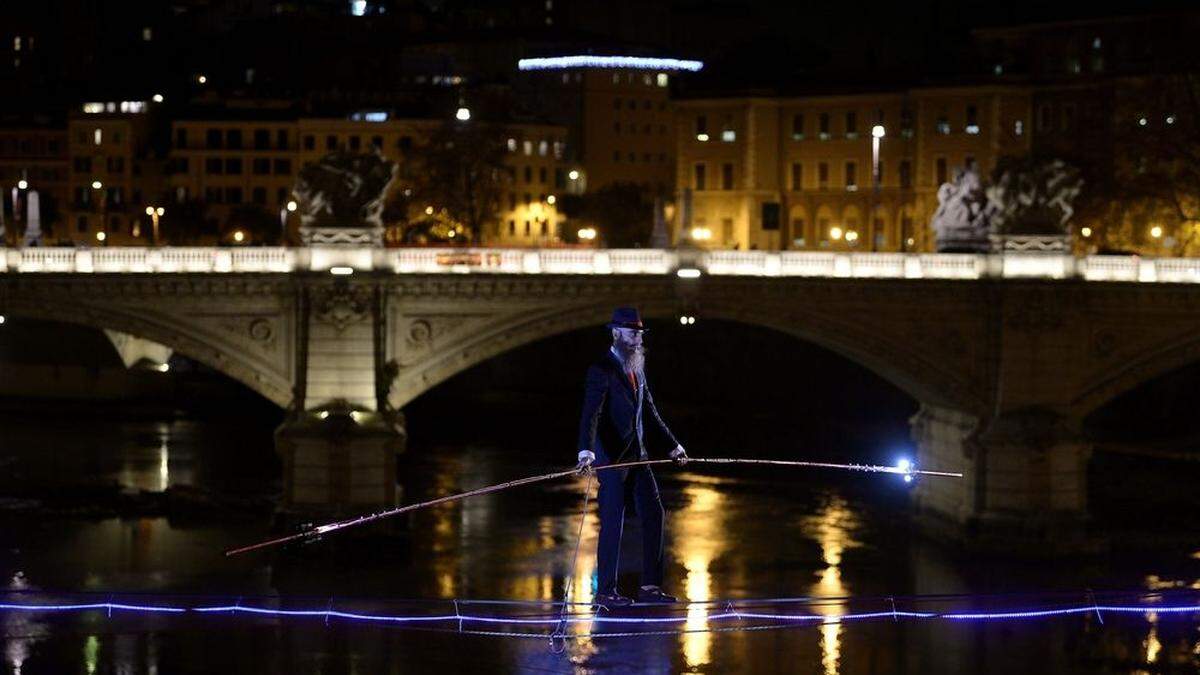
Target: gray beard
x,y
635,360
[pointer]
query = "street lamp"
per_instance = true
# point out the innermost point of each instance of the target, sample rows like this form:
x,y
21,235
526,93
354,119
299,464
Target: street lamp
x,y
155,212
22,184
877,134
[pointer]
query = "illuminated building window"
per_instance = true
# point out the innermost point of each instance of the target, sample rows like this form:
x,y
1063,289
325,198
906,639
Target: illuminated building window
x,y
512,145
663,79
97,136
646,79
943,125
147,34
543,148
527,147
972,120
728,136
1018,128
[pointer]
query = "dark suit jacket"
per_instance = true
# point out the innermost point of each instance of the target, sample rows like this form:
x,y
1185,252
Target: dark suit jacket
x,y
609,425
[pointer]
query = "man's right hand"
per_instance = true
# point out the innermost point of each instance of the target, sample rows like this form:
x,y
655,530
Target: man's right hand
x,y
584,467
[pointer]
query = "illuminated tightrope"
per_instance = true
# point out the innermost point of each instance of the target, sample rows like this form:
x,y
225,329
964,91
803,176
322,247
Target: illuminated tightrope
x,y
904,468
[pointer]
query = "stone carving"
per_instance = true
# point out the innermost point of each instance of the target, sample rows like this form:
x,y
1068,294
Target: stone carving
x,y
261,330
962,221
341,198
342,305
419,334
1026,208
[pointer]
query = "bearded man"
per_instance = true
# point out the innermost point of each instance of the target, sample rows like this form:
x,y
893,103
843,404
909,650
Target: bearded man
x,y
616,401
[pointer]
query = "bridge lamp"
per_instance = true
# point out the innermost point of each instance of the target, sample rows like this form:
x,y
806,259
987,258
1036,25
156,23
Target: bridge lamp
x,y
587,233
852,236
462,114
101,236
551,199
1,319
201,79
1085,231
239,236
835,233
573,175
1156,232
22,184
291,206
158,98
163,367
96,185
429,210
341,270
687,273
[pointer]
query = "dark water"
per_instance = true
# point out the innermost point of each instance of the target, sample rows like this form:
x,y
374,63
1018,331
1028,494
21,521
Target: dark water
x,y
733,534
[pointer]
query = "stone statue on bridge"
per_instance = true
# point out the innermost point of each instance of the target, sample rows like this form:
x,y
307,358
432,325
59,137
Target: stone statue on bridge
x,y
1026,207
341,198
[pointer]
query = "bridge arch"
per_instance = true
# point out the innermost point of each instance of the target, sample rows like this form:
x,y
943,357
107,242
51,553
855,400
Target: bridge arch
x,y
192,339
890,359
1112,383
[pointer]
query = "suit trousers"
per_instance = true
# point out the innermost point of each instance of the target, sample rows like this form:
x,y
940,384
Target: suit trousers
x,y
615,487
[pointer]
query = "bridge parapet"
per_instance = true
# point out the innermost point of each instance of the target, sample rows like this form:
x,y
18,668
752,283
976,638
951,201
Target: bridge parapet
x,y
846,265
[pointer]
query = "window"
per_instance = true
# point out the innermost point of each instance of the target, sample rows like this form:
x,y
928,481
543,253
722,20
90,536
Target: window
x,y
512,201
181,138
905,174
212,138
906,122
797,176
699,179
261,166
262,139
527,228
355,143
851,176
309,142
822,175
616,155
181,165
542,174
1068,117
727,176
632,104
943,125
406,143
281,139
331,142
233,195
1019,128
940,172
83,164
851,125
527,147
213,166
1045,117
81,224
727,133
512,228
701,127
972,120
377,142
97,136
798,127
212,195
823,126
543,148
528,174
233,166
233,139
283,167
281,196
259,196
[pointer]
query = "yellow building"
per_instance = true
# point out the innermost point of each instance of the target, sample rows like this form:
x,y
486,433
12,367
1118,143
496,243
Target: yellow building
x,y
619,120
36,158
112,173
800,172
232,164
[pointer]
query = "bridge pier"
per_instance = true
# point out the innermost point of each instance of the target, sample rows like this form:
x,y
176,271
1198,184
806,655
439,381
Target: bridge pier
x,y
1024,485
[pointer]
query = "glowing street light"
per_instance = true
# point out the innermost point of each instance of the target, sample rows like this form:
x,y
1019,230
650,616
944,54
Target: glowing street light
x,y
158,98
155,212
852,236
239,236
22,184
701,233
201,79
551,199
573,175
429,210
96,185
101,236
462,114
1085,231
291,206
587,233
1156,232
835,233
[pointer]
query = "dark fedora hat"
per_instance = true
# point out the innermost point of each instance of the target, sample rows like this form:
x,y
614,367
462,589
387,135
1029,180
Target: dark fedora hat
x,y
626,317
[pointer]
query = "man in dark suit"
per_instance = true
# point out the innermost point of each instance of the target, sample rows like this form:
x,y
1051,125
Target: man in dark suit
x,y
616,401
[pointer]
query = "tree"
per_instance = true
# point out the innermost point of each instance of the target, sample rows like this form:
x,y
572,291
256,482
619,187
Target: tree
x,y
461,171
1154,181
623,212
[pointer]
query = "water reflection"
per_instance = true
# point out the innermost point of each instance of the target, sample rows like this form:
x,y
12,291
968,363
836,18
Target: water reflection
x,y
832,528
699,535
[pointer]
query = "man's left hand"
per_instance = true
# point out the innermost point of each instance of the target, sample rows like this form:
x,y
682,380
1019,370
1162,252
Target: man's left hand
x,y
679,455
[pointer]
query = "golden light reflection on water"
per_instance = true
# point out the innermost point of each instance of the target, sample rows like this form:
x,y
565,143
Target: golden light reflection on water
x,y
833,527
699,538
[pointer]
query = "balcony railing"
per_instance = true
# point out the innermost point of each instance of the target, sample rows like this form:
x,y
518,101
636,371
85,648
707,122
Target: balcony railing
x,y
1024,265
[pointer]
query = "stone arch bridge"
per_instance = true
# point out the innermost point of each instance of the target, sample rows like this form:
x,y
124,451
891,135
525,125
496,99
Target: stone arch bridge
x,y
1006,354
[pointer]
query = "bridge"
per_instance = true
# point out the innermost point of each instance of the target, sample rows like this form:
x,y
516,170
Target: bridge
x,y
1007,353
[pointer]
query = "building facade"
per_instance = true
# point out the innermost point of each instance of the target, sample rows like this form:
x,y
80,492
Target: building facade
x,y
811,173
36,158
